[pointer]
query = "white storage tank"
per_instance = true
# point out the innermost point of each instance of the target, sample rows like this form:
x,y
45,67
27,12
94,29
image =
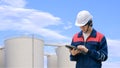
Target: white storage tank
x,y
24,52
52,61
1,57
63,58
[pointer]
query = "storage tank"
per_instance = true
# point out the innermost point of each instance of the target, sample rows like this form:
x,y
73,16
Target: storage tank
x,y
63,58
24,52
1,57
52,61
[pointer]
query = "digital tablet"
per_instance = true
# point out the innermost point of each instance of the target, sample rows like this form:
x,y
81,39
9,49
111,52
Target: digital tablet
x,y
70,47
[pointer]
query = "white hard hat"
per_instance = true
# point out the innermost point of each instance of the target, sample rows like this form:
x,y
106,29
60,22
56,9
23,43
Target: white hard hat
x,y
82,18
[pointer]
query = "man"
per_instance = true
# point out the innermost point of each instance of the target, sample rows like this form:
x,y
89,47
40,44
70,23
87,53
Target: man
x,y
91,44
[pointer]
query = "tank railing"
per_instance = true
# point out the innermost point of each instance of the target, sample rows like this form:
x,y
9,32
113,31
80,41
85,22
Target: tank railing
x,y
54,44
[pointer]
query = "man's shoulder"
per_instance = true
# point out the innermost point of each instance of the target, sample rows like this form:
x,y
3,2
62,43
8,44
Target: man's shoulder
x,y
100,34
76,34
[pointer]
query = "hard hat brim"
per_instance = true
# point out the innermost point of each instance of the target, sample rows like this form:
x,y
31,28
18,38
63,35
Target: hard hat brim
x,y
79,24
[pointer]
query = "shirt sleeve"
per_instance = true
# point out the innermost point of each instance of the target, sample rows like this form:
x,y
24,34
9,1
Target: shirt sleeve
x,y
102,53
73,58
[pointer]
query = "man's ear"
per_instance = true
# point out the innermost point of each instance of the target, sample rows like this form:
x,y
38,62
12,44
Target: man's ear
x,y
90,23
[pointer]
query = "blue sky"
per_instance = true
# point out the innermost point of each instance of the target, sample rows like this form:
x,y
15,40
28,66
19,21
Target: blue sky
x,y
53,21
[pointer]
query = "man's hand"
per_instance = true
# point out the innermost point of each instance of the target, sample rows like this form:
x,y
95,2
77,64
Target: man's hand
x,y
82,48
75,51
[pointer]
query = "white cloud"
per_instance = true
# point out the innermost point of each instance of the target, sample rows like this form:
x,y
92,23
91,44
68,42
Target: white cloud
x,y
114,47
30,20
111,65
13,3
68,26
112,42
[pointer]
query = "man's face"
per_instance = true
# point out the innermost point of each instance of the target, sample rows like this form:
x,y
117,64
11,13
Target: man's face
x,y
84,28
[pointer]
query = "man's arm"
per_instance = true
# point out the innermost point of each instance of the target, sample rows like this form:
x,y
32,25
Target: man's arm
x,y
102,53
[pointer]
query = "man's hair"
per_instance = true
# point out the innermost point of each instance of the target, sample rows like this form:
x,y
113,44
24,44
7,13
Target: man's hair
x,y
90,23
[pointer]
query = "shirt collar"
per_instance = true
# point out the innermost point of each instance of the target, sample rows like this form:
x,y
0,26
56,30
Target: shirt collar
x,y
93,33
